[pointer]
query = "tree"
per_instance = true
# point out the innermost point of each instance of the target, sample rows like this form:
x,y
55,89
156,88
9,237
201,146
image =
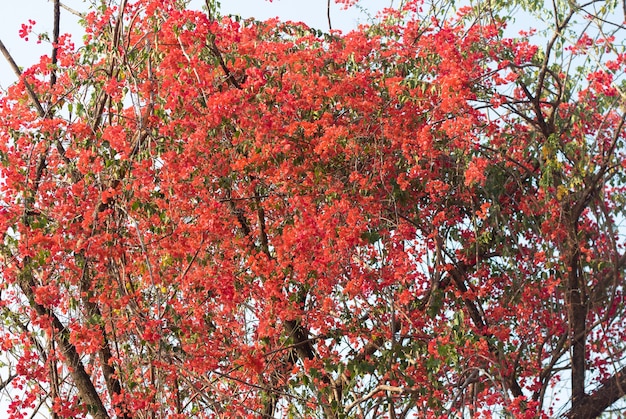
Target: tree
x,y
205,216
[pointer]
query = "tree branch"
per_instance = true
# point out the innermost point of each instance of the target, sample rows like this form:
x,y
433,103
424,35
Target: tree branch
x,y
594,404
86,390
18,73
7,381
55,41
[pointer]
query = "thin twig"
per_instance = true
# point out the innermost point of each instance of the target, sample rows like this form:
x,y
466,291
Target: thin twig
x,y
330,25
7,381
72,11
378,389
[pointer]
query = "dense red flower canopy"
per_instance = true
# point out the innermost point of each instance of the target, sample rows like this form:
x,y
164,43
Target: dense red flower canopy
x,y
205,216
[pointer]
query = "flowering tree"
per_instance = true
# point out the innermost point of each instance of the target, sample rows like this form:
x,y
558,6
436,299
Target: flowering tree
x,y
210,217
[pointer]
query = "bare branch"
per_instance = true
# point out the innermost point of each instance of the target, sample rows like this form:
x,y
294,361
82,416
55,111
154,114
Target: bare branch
x,y
330,25
72,11
55,41
603,397
18,73
7,381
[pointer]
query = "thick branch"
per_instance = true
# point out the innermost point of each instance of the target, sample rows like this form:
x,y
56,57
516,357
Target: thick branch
x,y
55,41
603,397
577,319
86,390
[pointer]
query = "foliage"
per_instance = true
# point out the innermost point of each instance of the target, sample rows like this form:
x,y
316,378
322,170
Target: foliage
x,y
205,216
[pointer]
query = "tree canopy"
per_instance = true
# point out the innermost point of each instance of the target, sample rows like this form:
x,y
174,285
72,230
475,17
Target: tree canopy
x,y
207,216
